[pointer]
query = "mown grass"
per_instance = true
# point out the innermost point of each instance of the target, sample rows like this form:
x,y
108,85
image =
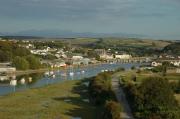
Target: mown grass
x,y
59,101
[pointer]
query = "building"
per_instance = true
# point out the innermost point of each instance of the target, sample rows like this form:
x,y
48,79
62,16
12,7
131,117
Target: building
x,y
123,56
176,63
155,64
106,56
77,57
6,68
100,51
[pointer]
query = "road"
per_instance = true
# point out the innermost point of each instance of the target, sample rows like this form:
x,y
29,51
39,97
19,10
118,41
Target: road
x,y
126,113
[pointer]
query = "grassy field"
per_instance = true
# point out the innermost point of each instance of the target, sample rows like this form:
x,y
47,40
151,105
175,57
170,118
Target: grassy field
x,y
121,41
59,101
127,75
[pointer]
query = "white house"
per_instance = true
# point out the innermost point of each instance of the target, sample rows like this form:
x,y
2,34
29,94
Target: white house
x,y
123,56
77,57
7,69
175,63
155,64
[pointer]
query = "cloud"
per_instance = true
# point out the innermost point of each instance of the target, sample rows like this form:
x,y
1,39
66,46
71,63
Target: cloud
x,y
79,9
132,16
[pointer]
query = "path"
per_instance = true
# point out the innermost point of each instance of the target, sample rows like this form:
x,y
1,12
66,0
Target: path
x,y
126,114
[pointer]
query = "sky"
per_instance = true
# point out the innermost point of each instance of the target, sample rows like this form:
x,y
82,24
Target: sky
x,y
151,18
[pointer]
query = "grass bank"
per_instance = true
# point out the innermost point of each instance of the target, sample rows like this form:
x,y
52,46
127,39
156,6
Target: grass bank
x,y
59,101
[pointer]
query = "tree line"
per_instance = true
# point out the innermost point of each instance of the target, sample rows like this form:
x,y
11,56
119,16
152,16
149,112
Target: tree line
x,y
20,57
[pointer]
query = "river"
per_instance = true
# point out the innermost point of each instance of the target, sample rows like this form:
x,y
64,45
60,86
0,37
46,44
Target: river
x,y
39,79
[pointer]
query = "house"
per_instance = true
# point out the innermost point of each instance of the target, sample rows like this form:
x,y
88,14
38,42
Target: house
x,y
155,64
175,63
123,56
106,56
77,57
85,61
6,68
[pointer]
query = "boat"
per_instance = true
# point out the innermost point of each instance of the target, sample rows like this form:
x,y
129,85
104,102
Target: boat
x,y
71,73
30,79
51,72
22,81
82,71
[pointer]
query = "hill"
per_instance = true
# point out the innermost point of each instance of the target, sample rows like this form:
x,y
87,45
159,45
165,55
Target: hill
x,y
173,49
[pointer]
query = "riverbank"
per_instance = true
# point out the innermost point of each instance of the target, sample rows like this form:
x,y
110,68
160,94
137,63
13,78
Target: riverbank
x,y
62,101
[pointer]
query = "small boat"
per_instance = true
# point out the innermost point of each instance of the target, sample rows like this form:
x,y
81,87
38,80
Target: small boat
x,y
102,70
71,73
82,71
13,82
30,79
46,74
22,81
51,72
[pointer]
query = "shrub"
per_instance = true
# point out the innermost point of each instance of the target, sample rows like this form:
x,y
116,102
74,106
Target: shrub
x,y
112,110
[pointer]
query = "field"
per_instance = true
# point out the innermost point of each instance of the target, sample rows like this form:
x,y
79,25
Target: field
x,y
127,75
59,101
120,41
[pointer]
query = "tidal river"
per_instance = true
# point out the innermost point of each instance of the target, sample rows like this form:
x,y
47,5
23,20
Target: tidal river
x,y
42,79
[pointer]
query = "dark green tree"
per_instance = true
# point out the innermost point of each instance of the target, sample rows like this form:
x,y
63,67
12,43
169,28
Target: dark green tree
x,y
34,63
20,63
157,98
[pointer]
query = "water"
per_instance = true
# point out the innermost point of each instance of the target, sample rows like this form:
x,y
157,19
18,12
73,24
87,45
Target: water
x,y
40,80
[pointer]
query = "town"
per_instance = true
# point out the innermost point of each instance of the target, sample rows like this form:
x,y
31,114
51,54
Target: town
x,y
51,63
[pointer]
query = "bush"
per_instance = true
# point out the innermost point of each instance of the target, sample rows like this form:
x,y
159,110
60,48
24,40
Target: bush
x,y
154,98
100,88
112,110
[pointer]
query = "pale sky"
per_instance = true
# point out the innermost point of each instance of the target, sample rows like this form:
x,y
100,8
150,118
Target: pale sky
x,y
154,18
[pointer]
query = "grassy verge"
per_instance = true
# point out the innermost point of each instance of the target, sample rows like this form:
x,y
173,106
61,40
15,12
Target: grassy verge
x,y
59,101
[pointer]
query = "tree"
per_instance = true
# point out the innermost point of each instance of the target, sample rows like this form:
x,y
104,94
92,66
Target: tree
x,y
20,51
20,63
34,62
5,56
157,98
